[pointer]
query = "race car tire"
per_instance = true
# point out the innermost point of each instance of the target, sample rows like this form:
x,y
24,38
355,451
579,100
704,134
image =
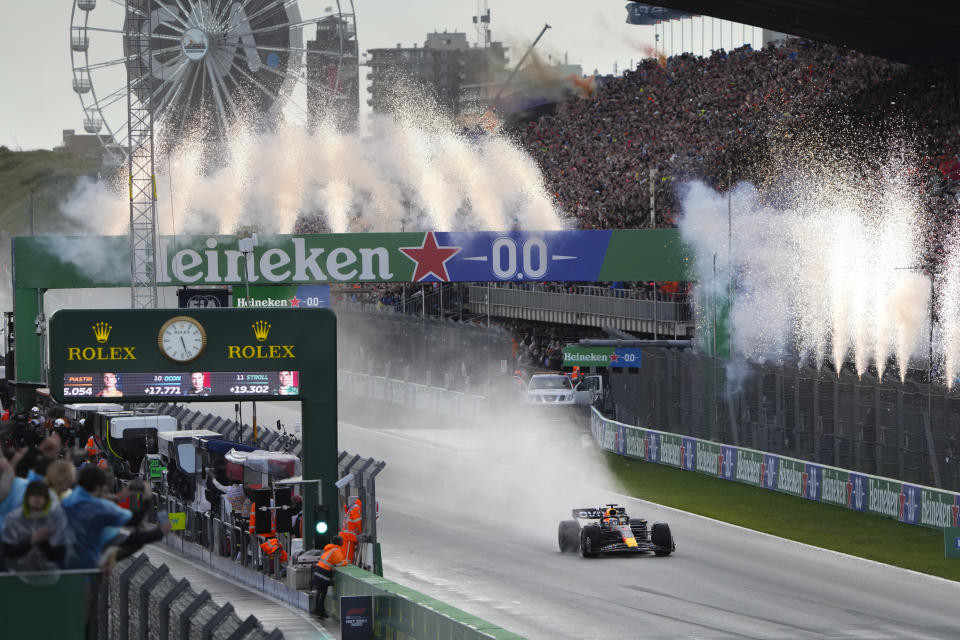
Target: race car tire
x,y
660,535
568,535
589,541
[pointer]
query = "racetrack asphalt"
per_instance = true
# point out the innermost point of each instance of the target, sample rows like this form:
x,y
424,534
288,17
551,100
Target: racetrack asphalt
x,y
469,515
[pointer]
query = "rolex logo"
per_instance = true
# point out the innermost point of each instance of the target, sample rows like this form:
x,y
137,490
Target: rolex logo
x,y
261,329
101,331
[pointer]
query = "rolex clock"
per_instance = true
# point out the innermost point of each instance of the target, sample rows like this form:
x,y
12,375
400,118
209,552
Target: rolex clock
x,y
182,339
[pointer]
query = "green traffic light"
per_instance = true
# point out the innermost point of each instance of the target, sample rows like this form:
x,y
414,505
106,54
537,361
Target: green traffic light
x,y
321,527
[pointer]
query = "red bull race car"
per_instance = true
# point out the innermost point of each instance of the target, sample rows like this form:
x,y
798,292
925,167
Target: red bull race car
x,y
609,529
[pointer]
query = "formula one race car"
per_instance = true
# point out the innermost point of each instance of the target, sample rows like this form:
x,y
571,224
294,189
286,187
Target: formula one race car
x,y
610,530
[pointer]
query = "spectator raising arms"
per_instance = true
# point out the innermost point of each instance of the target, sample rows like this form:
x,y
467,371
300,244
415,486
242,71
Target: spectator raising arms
x,y
93,519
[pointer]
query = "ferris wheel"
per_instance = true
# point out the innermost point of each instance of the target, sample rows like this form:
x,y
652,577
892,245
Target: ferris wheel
x,y
213,62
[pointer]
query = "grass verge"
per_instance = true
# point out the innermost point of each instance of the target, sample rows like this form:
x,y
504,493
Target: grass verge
x,y
858,534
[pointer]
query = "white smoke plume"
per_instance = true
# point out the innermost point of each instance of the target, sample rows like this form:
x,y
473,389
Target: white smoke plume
x,y
832,278
414,171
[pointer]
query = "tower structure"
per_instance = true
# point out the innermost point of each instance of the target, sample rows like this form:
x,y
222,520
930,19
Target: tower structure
x,y
140,160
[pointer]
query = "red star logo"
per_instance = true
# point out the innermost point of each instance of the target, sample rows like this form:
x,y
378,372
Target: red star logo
x,y
430,258
614,357
294,301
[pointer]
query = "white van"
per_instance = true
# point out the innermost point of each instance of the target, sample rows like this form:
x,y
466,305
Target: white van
x,y
555,389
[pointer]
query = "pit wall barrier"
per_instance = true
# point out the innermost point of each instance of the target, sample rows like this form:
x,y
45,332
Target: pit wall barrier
x,y
409,394
399,612
402,613
908,503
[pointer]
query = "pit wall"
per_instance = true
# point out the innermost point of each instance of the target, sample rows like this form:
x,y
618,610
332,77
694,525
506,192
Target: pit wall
x,y
402,613
908,503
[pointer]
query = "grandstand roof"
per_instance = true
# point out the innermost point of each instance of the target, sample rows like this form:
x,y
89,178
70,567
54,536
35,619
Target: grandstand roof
x,y
920,32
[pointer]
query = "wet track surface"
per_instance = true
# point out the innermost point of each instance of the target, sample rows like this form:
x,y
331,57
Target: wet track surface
x,y
470,517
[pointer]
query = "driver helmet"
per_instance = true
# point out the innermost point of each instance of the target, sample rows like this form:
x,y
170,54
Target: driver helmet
x,y
611,511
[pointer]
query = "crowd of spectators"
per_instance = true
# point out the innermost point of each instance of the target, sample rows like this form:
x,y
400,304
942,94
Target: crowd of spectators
x,y
713,118
58,509
682,118
725,118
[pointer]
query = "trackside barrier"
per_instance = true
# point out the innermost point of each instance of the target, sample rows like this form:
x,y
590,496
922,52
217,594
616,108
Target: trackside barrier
x,y
144,601
409,394
138,600
400,612
23,597
908,503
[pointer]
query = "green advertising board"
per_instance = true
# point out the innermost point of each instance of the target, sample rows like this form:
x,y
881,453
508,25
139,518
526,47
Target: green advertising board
x,y
790,477
622,357
833,486
750,467
938,508
150,355
883,497
708,457
670,449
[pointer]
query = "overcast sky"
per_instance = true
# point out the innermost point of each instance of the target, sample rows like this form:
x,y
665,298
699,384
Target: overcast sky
x,y
37,101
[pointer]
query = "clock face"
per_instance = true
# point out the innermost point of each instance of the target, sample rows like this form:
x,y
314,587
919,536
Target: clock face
x,y
182,339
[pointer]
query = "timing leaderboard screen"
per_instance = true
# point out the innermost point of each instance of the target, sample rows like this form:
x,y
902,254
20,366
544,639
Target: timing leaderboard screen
x,y
198,383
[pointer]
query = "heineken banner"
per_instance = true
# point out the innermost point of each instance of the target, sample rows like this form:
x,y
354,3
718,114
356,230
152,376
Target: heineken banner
x,y
907,503
53,262
305,296
617,357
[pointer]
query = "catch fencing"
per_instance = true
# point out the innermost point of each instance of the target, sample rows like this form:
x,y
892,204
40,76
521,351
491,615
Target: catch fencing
x,y
429,351
909,431
412,395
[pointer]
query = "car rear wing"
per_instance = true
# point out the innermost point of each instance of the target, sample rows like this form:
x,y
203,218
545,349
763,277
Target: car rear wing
x,y
588,513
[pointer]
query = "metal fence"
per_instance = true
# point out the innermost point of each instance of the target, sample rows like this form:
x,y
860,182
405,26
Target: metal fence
x,y
908,431
589,306
414,396
428,351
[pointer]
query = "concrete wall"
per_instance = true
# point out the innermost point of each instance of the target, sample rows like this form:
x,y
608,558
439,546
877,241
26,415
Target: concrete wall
x,y
143,601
